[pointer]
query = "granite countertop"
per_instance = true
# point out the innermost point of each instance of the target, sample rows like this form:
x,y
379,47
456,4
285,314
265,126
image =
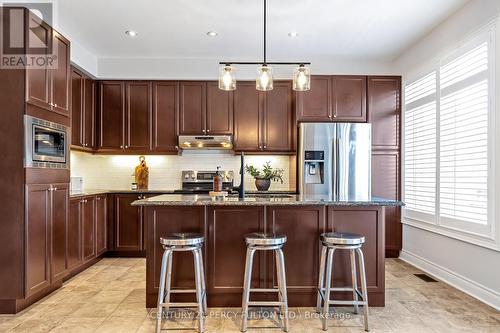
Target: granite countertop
x,y
84,193
256,200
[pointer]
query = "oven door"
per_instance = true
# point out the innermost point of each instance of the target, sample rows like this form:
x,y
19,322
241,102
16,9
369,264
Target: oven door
x,y
46,144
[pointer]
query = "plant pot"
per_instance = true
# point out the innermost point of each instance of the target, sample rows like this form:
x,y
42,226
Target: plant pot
x,y
262,184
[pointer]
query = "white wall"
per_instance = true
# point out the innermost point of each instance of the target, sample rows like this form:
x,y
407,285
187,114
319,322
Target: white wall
x,y
207,69
115,172
474,269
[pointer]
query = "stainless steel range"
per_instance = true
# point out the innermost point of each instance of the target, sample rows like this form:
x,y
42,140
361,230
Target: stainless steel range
x,y
202,181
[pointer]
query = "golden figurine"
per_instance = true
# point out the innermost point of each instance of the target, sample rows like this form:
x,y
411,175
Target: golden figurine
x,y
142,174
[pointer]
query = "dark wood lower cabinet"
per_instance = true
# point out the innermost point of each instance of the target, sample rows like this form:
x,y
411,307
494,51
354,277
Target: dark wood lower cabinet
x,y
128,223
225,249
101,224
74,245
88,228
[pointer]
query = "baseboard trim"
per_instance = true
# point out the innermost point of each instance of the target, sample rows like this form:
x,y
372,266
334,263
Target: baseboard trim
x,y
472,288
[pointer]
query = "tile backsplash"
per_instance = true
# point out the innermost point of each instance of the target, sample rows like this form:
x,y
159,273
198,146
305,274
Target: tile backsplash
x,y
115,172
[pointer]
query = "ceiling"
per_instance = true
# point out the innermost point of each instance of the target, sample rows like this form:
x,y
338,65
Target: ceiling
x,y
360,29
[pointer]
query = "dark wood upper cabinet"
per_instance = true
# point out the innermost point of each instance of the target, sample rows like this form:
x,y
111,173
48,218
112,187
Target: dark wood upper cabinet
x,y
77,115
138,116
165,113
315,104
59,227
60,75
278,123
82,111
74,244
101,224
333,98
384,111
192,112
38,86
111,115
248,113
128,223
37,245
89,101
88,228
219,118
349,98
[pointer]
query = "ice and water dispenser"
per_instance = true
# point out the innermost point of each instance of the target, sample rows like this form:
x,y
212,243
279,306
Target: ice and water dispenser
x,y
314,168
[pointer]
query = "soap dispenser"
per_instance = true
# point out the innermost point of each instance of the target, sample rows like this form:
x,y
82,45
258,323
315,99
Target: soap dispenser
x,y
217,181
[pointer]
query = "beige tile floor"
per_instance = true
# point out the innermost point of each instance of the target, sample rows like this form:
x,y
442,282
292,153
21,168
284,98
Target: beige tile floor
x,y
110,297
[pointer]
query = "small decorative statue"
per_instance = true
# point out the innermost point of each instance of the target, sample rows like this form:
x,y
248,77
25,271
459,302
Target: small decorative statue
x,y
142,174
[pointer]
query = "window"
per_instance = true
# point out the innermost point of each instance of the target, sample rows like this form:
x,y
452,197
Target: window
x,y
448,162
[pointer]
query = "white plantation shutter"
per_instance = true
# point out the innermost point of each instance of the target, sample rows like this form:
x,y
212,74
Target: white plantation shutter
x,y
420,146
463,129
447,158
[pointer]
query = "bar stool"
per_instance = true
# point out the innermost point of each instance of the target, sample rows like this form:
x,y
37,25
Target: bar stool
x,y
265,242
182,242
332,241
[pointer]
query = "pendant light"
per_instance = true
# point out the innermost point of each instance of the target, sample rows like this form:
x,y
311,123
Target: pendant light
x,y
227,80
264,81
301,78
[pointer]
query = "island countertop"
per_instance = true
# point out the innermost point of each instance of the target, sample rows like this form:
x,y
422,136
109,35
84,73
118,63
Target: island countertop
x,y
257,200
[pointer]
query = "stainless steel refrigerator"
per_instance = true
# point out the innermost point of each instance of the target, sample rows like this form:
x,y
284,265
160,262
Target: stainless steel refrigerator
x,y
335,161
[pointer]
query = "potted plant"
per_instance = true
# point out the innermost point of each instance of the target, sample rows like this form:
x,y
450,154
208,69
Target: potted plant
x,y
263,178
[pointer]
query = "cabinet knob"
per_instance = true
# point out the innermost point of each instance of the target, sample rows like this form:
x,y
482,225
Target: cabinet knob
x,y
335,116
208,131
260,147
54,189
126,147
265,146
55,105
121,147
98,198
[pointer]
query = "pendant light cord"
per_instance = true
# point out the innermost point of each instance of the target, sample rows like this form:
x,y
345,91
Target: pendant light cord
x,y
265,39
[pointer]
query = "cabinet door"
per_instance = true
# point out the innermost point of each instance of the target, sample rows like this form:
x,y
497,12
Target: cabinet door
x,y
302,226
89,113
38,79
111,109
165,112
384,111
37,244
74,244
385,184
219,110
227,249
101,224
128,223
315,104
248,113
278,119
60,75
192,110
59,227
77,113
88,228
138,116
369,222
349,98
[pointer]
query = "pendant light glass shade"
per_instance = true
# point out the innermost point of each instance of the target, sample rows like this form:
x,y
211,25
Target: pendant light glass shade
x,y
264,80
301,78
227,80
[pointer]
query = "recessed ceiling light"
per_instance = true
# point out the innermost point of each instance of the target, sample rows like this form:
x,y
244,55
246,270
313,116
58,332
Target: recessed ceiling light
x,y
293,34
131,33
212,33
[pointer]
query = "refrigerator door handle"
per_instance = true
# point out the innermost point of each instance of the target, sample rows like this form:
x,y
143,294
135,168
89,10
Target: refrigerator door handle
x,y
334,168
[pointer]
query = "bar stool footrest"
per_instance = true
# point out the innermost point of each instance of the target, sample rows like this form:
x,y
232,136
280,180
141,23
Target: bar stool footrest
x,y
265,303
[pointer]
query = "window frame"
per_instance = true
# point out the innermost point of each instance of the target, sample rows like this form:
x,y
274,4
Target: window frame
x,y
482,235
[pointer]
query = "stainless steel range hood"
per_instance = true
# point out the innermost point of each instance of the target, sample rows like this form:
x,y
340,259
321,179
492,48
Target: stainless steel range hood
x,y
211,142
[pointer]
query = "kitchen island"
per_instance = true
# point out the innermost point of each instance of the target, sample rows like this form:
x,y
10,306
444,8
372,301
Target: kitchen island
x,y
224,224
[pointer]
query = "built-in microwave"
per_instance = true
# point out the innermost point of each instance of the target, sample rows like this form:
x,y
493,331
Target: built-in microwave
x,y
46,144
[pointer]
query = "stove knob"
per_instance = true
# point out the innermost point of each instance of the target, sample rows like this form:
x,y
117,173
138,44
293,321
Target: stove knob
x,y
186,176
193,177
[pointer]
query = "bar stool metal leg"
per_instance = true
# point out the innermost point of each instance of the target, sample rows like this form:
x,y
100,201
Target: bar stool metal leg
x,y
168,284
199,292
321,277
203,284
363,285
246,288
280,261
161,292
326,299
354,278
